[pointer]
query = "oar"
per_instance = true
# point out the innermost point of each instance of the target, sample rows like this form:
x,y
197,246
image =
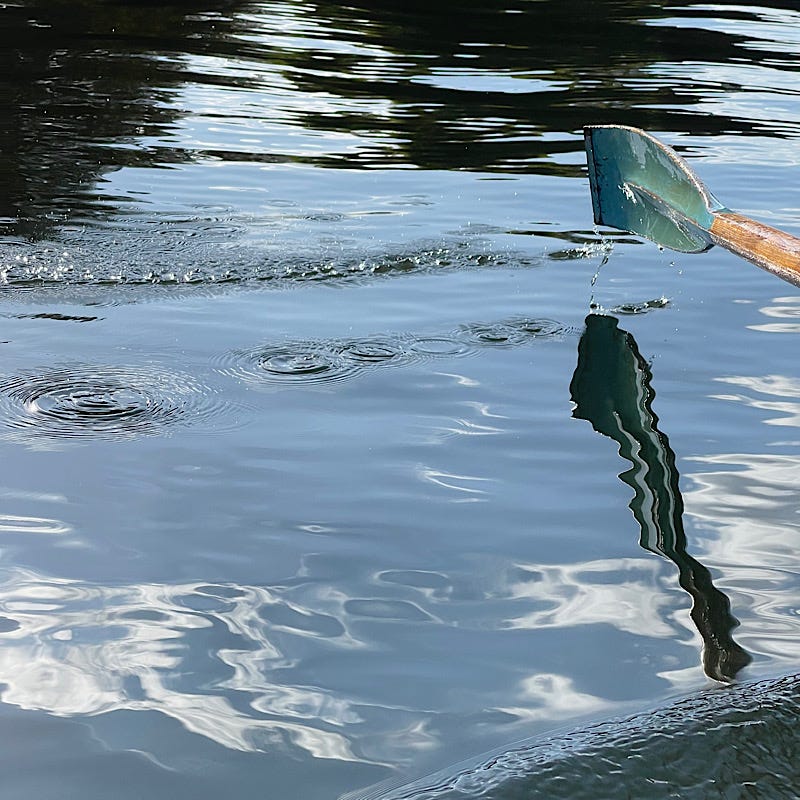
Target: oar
x,y
640,185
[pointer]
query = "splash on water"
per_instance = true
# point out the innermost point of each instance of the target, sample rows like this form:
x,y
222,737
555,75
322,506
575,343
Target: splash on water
x,y
189,260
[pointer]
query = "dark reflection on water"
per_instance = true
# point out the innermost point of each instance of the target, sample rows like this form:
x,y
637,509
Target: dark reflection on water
x,y
453,96
611,389
56,317
93,87
734,742
84,83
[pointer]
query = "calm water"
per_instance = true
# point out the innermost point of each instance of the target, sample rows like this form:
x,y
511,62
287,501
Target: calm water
x,y
316,470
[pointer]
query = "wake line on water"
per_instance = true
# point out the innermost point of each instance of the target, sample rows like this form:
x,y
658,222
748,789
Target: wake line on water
x,y
192,261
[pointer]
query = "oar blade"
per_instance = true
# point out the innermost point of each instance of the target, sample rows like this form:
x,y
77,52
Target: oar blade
x,y
640,185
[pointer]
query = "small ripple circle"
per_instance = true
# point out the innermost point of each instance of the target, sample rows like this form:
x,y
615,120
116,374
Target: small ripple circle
x,y
79,401
511,332
291,363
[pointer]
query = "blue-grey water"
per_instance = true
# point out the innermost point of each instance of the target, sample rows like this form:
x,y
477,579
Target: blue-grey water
x,y
315,477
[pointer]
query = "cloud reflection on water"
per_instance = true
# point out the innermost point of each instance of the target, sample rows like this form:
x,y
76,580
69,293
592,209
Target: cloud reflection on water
x,y
222,659
781,386
750,502
554,697
11,523
84,650
787,308
621,592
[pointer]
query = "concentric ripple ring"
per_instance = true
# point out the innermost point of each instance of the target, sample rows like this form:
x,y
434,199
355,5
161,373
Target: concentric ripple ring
x,y
511,332
379,351
292,363
79,401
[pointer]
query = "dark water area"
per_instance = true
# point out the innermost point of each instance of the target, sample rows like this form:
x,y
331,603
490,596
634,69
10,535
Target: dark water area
x,y
339,447
739,742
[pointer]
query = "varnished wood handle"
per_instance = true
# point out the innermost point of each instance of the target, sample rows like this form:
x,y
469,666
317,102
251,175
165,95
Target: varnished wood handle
x,y
771,249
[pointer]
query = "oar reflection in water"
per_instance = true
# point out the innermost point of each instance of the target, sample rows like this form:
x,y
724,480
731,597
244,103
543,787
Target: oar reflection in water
x,y
611,389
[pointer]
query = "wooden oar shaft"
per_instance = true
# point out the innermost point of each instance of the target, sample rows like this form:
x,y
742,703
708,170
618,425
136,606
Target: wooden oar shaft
x,y
775,251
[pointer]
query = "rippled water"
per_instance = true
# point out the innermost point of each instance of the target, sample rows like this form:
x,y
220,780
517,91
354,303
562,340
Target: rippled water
x,y
715,743
339,447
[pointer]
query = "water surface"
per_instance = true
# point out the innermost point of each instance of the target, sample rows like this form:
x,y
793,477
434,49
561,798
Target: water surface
x,y
306,482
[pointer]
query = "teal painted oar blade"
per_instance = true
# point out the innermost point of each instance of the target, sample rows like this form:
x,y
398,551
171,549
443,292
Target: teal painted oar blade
x,y
640,185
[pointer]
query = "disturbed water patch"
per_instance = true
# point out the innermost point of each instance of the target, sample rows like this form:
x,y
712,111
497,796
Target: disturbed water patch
x,y
735,742
190,256
378,351
511,332
632,308
74,402
305,362
308,362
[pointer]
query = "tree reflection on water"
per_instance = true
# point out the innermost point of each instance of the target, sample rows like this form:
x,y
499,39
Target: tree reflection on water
x,y
95,86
